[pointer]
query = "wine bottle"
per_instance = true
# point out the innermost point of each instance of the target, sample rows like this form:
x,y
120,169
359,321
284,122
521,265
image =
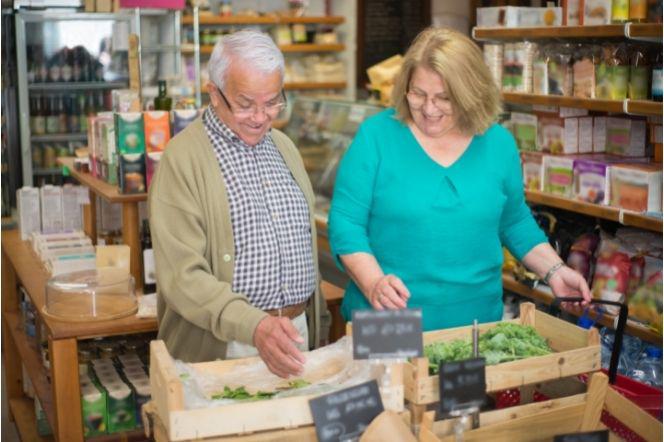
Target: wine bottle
x,y
39,117
149,275
52,117
163,101
73,115
82,116
62,116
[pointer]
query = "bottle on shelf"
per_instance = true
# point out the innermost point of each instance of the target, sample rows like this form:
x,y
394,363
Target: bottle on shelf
x,y
41,74
90,110
656,84
39,119
33,113
67,65
54,70
82,116
73,115
37,156
77,64
149,280
162,101
52,117
619,11
63,126
638,10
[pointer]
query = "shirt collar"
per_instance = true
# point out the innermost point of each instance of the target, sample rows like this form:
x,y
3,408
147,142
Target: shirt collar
x,y
218,127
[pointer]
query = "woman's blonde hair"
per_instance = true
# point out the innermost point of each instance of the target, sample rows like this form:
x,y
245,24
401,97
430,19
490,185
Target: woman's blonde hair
x,y
459,62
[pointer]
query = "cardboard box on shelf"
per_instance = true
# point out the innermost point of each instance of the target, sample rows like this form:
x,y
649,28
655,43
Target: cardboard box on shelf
x,y
129,133
29,214
585,135
532,170
591,181
51,208
626,137
636,187
558,175
550,133
157,130
524,129
599,134
518,16
571,136
131,177
596,12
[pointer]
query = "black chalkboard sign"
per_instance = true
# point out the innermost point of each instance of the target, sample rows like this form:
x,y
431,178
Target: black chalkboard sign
x,y
345,414
591,436
384,334
462,385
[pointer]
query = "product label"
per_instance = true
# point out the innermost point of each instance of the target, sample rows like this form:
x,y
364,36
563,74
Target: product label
x,y
657,82
148,267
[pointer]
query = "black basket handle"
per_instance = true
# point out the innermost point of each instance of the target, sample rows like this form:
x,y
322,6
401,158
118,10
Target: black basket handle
x,y
554,309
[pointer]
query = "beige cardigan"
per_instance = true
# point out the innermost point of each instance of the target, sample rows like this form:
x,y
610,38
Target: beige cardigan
x,y
194,251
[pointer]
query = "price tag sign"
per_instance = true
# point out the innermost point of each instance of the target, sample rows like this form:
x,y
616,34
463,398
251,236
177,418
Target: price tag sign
x,y
462,386
591,436
345,414
387,334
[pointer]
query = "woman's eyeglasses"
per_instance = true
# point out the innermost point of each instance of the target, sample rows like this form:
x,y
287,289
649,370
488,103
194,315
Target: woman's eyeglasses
x,y
418,100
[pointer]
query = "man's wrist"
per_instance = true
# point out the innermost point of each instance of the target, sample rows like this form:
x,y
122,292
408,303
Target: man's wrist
x,y
552,270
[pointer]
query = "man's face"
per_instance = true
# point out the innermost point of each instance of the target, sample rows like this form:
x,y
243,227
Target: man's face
x,y
249,104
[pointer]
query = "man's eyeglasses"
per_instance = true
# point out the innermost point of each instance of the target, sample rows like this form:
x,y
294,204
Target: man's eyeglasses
x,y
271,108
418,101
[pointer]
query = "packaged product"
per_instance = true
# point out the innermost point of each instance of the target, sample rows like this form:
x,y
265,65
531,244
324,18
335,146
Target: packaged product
x,y
620,72
121,407
586,135
142,395
596,12
151,162
493,57
558,175
157,130
541,72
132,173
645,304
581,255
130,133
550,133
29,215
571,136
182,118
590,181
559,70
518,67
636,187
639,75
611,273
524,129
71,208
51,208
599,134
95,413
532,170
518,16
584,73
572,13
626,137
568,112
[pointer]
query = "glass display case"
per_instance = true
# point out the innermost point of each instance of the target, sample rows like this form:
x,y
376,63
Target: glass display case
x,y
68,64
322,129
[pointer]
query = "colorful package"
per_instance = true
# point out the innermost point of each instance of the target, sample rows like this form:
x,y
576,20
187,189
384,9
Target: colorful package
x,y
130,133
157,130
590,181
558,175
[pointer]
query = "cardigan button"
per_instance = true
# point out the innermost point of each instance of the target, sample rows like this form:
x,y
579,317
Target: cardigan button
x,y
227,258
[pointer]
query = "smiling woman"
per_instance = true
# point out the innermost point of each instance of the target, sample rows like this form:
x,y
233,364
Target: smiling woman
x,y
429,192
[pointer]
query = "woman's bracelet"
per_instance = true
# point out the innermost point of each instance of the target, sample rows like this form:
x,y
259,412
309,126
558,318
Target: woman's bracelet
x,y
554,268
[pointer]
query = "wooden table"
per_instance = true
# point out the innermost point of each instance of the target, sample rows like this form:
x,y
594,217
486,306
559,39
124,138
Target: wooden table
x,y
60,398
130,218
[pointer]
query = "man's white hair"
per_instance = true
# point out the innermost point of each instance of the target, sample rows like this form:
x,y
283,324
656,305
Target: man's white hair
x,y
248,46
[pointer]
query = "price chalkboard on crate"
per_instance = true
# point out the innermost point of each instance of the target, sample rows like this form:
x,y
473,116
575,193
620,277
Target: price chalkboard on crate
x,y
462,386
345,414
387,334
591,436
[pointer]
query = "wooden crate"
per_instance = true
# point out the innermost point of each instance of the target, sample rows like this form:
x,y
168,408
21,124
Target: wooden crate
x,y
236,419
576,351
543,420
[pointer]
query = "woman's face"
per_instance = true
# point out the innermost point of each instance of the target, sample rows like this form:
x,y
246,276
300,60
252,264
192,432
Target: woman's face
x,y
430,103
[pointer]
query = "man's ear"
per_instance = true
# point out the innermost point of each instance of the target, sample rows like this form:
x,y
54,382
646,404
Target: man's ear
x,y
213,93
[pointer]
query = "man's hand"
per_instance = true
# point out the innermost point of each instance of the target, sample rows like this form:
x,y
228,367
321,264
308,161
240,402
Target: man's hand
x,y
274,339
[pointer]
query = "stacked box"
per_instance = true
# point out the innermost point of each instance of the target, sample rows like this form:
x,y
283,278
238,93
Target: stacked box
x,y
130,142
51,208
636,187
532,170
550,133
558,175
157,130
524,128
142,394
121,406
95,412
29,214
599,134
590,180
571,136
626,137
585,135
71,209
182,118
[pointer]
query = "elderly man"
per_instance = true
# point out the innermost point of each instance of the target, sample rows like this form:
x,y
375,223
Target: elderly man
x,y
232,222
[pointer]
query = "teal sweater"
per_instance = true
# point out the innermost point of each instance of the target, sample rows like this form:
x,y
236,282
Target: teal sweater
x,y
439,229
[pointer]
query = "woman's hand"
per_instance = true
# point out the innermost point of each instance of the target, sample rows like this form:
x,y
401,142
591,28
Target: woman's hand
x,y
568,282
389,292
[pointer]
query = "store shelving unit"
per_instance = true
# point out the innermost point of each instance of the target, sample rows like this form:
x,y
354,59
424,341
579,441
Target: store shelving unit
x,y
196,20
633,328
628,30
633,107
624,217
79,86
60,397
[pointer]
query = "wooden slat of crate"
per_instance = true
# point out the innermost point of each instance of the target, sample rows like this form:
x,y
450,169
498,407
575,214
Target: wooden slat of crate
x,y
577,351
240,418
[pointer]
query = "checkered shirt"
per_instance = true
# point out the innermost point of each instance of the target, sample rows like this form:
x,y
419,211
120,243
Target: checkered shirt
x,y
274,264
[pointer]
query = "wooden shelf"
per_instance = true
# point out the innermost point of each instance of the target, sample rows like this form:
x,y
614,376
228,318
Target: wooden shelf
x,y
301,47
31,358
209,19
636,30
23,410
309,85
558,100
605,212
644,107
32,274
128,436
632,328
107,191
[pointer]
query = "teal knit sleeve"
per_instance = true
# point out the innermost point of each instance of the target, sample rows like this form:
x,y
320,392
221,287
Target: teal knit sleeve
x,y
352,198
518,230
